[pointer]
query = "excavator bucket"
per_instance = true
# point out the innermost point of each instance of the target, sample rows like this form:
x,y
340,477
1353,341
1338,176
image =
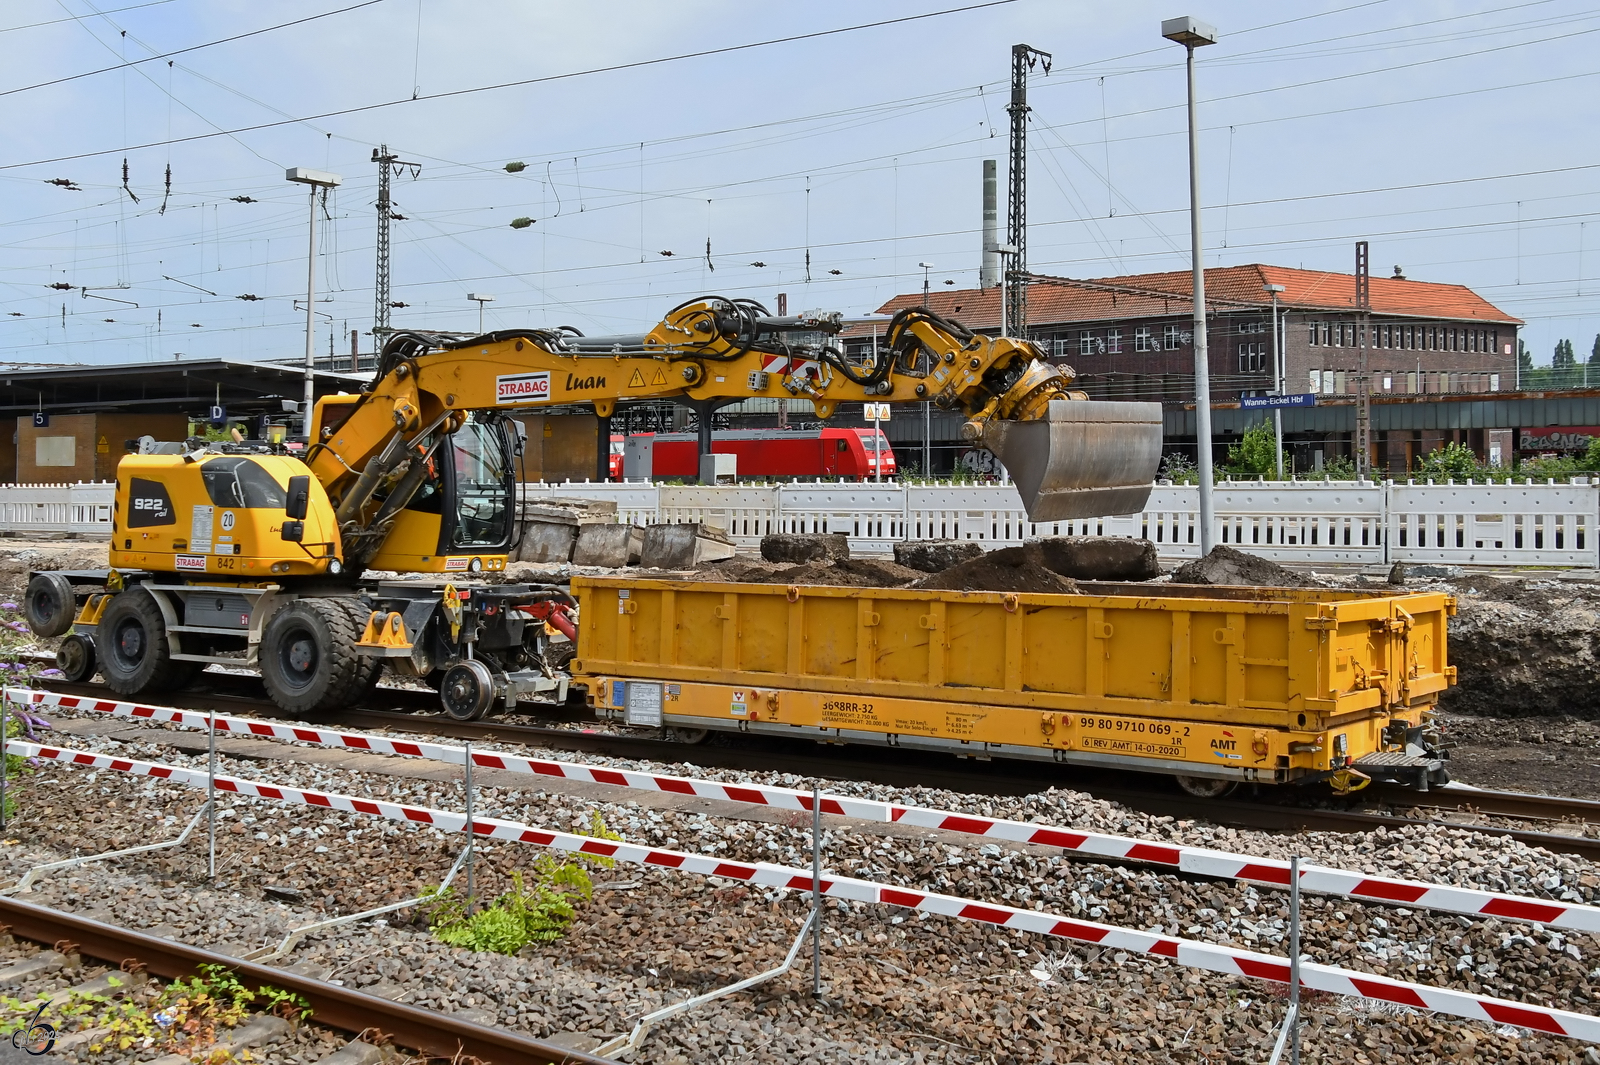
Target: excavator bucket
x,y
1084,459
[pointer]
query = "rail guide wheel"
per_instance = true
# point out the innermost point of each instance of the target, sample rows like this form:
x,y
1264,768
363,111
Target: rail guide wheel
x,y
1206,787
76,658
467,690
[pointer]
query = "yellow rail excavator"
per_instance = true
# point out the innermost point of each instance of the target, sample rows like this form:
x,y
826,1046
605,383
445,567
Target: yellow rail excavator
x,y
250,554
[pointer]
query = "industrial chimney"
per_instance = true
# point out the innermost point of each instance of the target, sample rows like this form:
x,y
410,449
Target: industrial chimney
x,y
989,274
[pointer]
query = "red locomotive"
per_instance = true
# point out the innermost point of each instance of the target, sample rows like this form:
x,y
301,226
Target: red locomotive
x,y
854,453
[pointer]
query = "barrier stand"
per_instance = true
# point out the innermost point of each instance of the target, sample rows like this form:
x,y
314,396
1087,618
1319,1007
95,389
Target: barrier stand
x,y
296,934
472,837
1290,1033
39,870
631,1041
816,890
211,795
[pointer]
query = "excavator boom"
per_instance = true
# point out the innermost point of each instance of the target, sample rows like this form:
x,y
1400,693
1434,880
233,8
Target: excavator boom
x,y
1071,457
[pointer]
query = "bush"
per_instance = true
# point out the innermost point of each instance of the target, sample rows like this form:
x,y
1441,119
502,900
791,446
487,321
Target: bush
x,y
1256,454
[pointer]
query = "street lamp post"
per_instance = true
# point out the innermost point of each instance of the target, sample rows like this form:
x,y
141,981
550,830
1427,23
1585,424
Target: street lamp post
x,y
925,268
1192,34
480,299
316,179
1277,378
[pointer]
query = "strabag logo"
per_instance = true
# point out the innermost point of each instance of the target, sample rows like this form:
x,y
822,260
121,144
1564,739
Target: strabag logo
x,y
522,388
451,564
191,562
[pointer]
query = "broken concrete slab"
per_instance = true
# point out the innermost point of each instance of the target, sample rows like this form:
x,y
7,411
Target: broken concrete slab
x,y
608,545
935,556
1100,558
1227,565
805,547
546,541
683,545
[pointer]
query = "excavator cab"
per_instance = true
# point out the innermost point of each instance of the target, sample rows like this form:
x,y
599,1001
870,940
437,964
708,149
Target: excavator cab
x,y
461,518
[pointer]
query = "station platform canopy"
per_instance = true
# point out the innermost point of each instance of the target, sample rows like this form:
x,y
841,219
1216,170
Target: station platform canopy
x,y
188,386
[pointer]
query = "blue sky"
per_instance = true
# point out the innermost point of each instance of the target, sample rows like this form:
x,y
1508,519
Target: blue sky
x,y
1455,137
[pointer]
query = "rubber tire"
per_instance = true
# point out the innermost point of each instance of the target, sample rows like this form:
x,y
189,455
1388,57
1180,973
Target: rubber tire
x,y
326,631
75,658
49,604
467,691
135,652
371,668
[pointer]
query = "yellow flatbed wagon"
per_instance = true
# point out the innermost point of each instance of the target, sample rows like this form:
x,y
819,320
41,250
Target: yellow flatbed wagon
x,y
1215,686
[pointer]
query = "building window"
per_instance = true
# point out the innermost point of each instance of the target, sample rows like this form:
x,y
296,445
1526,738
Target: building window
x,y
1141,339
1252,357
1313,333
1086,343
1114,341
1171,337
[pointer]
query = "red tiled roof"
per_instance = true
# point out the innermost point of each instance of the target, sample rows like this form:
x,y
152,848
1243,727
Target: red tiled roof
x,y
1169,293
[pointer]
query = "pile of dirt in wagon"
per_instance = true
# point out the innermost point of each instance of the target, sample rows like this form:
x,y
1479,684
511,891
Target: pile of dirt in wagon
x,y
1054,564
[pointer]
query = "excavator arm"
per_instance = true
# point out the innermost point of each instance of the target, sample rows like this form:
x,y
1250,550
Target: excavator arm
x,y
1070,457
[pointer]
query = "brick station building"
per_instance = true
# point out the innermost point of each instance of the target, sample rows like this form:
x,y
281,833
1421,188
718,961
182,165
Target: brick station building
x,y
1131,337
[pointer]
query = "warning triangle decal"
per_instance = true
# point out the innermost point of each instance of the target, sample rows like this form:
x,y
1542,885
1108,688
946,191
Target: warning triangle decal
x,y
637,381
660,378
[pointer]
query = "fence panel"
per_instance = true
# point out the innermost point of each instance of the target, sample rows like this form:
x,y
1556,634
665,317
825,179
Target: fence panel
x,y
1298,521
1511,524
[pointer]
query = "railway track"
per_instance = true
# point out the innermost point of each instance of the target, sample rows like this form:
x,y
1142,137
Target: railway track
x,y
332,1006
1393,808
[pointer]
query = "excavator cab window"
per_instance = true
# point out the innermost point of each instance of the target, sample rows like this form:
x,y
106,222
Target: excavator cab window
x,y
480,480
237,482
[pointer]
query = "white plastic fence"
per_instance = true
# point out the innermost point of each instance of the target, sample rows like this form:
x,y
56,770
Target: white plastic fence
x,y
1289,521
83,508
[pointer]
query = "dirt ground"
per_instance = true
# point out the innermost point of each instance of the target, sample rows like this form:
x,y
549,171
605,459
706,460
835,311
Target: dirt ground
x,y
1542,755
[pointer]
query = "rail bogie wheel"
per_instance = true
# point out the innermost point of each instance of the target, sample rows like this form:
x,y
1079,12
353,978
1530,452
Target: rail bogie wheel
x,y
135,651
1207,787
49,604
467,691
308,656
677,734
75,658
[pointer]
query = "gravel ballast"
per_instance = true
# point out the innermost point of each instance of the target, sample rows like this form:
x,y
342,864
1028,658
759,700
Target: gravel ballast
x,y
900,987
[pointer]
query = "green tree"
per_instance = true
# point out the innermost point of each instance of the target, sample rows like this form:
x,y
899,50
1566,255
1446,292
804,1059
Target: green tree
x,y
1255,455
1594,352
1563,365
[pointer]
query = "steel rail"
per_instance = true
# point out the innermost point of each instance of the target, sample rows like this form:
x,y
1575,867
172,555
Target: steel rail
x,y
339,1007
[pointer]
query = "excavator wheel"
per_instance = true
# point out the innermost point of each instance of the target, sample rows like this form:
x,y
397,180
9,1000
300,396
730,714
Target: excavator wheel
x,y
135,652
308,656
370,668
49,604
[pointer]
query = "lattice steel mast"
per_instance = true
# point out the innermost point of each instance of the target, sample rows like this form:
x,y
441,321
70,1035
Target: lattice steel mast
x,y
1023,59
387,164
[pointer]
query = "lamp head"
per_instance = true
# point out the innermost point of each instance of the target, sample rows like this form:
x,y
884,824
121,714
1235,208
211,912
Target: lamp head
x,y
307,176
1189,32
